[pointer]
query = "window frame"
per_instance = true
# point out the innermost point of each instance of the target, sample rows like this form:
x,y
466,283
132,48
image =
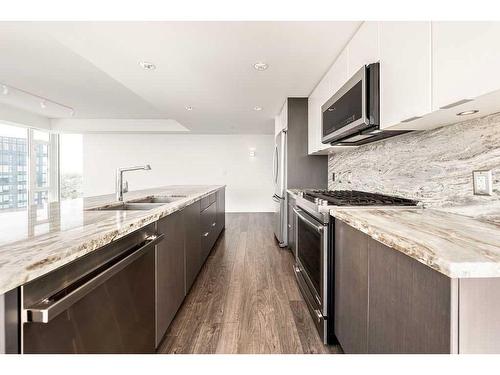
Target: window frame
x,y
53,178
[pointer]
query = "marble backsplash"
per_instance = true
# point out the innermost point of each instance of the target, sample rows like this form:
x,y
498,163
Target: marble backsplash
x,y
433,166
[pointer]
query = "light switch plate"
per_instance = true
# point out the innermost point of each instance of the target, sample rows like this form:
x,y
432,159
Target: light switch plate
x,y
482,182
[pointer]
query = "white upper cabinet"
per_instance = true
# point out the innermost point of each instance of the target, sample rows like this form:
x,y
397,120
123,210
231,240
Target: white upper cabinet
x,y
424,66
331,82
364,48
281,120
405,71
316,100
338,74
465,57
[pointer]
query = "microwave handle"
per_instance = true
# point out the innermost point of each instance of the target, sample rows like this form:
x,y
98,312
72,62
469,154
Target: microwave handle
x,y
319,228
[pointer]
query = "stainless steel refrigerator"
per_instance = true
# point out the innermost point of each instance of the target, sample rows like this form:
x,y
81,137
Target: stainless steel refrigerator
x,y
293,168
279,197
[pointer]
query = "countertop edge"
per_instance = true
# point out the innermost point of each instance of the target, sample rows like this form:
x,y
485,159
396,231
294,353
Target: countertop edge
x,y
453,270
105,237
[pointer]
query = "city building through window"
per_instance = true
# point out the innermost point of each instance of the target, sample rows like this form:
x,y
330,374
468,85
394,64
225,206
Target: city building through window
x,y
28,167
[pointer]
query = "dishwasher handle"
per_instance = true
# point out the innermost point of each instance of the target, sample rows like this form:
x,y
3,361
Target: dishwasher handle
x,y
46,310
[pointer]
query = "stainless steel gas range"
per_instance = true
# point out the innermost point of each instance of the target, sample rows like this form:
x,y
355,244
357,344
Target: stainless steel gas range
x,y
314,249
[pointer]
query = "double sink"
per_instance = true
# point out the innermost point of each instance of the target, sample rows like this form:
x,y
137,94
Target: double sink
x,y
142,204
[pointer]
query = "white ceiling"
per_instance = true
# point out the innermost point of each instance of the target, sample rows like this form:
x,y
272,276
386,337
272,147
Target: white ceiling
x,y
94,68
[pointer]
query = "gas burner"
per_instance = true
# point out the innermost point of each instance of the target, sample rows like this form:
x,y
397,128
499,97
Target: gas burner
x,y
354,198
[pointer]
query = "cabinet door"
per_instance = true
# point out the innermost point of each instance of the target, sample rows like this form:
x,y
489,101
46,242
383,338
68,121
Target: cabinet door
x,y
170,275
338,74
194,258
322,92
364,47
208,229
409,304
221,210
313,122
291,223
464,60
351,288
405,71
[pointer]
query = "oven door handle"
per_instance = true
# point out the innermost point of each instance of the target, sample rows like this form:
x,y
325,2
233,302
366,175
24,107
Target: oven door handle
x,y
319,228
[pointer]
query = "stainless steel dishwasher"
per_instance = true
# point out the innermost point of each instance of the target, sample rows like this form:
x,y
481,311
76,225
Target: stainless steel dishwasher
x,y
101,303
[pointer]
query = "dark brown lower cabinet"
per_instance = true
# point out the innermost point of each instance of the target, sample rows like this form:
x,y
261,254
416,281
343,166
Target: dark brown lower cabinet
x,y
351,289
208,220
170,271
409,304
291,223
388,302
194,256
221,210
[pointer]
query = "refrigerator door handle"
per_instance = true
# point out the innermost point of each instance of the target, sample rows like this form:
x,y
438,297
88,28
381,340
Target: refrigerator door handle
x,y
275,164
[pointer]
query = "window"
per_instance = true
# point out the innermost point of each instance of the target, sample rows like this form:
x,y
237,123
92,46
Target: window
x,y
13,167
71,165
28,170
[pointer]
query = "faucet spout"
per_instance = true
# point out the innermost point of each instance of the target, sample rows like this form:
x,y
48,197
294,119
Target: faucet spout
x,y
119,178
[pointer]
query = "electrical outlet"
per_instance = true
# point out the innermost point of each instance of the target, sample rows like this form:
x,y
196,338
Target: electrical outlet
x,y
482,181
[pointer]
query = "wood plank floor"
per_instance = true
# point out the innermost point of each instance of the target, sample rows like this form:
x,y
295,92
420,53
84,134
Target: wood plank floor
x,y
245,299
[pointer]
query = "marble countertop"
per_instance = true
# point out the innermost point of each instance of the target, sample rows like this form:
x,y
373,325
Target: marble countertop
x,y
455,245
35,241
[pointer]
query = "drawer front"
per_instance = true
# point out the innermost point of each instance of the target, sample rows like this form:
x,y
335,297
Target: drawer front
x,y
212,197
204,203
209,218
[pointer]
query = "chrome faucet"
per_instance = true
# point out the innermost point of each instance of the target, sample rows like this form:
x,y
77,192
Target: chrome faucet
x,y
120,186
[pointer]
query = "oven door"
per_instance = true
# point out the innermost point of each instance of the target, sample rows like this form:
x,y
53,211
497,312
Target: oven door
x,y
311,259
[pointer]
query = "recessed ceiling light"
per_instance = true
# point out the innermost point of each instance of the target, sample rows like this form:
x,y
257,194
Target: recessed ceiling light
x,y
5,90
469,112
43,105
147,65
257,108
189,108
260,66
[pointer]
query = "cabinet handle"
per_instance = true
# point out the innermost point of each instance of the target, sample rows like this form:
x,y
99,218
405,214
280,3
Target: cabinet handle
x,y
451,105
319,316
214,223
410,119
205,234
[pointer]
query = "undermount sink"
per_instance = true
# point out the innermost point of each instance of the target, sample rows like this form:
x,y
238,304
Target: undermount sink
x,y
127,206
159,199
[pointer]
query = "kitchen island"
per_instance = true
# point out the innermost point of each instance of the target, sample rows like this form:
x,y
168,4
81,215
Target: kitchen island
x,y
66,237
416,281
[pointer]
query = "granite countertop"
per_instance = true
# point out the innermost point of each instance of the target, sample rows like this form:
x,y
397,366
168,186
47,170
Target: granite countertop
x,y
455,245
35,241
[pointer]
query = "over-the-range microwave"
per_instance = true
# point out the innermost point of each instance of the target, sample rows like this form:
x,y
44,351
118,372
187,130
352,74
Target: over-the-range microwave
x,y
351,117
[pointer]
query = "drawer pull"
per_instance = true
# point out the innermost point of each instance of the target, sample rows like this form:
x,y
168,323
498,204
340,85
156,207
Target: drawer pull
x,y
319,316
205,234
214,224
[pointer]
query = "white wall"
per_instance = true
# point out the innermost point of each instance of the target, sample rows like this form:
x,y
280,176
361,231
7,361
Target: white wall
x,y
184,159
